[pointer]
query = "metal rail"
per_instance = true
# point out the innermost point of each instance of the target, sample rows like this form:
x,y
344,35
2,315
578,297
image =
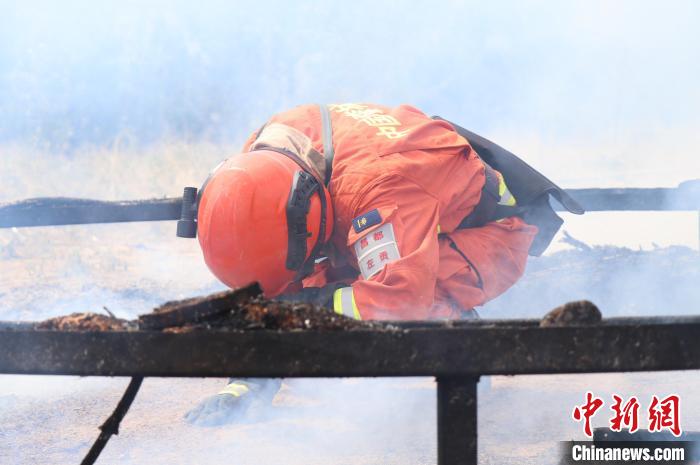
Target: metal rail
x,y
455,353
65,211
685,197
56,211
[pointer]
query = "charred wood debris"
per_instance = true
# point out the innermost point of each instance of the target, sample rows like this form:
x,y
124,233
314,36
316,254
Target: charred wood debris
x,y
236,310
246,309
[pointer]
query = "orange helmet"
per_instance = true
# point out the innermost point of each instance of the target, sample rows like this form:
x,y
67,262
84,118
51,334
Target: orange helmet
x,y
262,217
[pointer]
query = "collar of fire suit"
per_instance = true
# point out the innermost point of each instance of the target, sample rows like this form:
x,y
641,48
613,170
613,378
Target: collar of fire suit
x,y
328,150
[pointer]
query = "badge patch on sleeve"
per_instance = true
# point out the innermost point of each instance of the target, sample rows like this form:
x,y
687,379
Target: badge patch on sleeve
x,y
367,220
376,249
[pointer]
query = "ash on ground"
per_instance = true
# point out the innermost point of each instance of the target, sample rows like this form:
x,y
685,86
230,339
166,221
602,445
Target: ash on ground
x,y
621,282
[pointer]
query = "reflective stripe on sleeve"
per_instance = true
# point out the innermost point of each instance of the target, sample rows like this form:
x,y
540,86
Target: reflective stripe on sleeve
x,y
505,196
344,303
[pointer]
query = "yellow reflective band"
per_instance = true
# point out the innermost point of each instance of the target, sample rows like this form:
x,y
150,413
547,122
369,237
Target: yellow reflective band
x,y
438,229
504,194
344,303
338,302
235,389
501,183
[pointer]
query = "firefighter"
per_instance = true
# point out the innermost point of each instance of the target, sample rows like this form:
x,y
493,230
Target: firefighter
x,y
377,213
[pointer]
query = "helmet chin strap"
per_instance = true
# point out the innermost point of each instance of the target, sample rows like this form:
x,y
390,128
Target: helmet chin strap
x,y
304,186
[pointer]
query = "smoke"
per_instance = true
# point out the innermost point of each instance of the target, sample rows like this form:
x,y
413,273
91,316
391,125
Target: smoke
x,y
108,172
621,281
592,72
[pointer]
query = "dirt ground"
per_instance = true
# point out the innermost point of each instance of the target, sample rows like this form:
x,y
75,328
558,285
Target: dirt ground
x,y
365,421
132,268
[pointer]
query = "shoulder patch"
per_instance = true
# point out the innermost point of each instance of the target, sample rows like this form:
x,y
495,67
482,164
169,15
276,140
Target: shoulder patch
x,y
367,220
376,249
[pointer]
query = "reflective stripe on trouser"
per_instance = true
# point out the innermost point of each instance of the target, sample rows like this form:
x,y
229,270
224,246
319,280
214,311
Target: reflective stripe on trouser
x,y
344,303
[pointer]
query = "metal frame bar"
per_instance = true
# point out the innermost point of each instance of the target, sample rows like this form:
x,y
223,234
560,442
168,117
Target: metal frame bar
x,y
457,421
55,211
455,353
686,197
438,349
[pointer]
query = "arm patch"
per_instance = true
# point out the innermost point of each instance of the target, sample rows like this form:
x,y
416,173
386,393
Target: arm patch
x,y
367,220
376,249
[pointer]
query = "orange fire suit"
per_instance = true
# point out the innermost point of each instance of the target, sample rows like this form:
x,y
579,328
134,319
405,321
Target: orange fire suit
x,y
400,184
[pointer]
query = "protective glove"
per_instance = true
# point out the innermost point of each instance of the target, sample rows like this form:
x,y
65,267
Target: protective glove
x,y
234,401
321,296
221,408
